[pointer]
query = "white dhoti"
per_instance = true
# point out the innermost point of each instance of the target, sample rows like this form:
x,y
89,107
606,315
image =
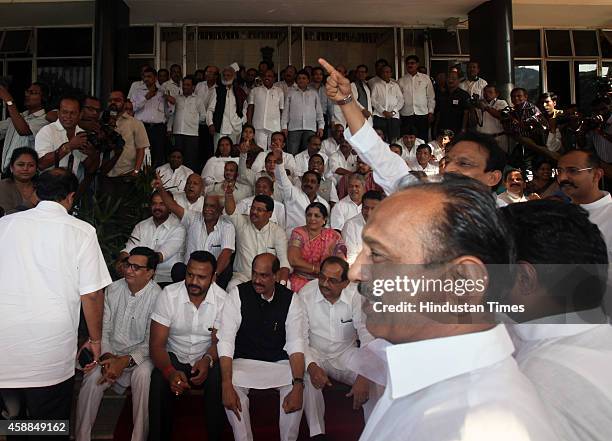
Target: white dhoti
x,y
314,403
255,374
91,393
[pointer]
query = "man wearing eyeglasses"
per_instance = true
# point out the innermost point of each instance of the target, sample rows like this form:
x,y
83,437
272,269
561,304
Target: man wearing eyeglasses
x,y
578,174
125,362
333,319
20,129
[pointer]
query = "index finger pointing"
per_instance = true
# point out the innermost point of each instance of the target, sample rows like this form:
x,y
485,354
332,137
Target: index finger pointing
x,y
328,67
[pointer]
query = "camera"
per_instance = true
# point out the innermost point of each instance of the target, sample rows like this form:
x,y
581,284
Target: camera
x,y
108,139
591,122
474,100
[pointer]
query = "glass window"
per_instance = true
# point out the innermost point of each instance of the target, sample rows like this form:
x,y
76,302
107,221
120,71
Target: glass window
x,y
65,77
606,69
19,76
606,43
527,44
141,40
464,40
585,43
558,81
527,75
350,46
134,65
443,42
558,43
585,73
16,42
64,42
171,47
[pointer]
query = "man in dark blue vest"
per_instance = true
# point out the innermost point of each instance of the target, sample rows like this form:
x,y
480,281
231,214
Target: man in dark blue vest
x,y
261,346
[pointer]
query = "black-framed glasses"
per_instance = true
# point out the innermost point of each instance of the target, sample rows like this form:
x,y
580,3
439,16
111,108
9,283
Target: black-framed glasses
x,y
133,266
570,171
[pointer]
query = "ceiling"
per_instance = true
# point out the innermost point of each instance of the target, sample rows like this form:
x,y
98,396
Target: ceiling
x,y
527,13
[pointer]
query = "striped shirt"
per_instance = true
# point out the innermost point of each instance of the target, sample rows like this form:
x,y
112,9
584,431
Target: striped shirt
x,y
127,319
601,145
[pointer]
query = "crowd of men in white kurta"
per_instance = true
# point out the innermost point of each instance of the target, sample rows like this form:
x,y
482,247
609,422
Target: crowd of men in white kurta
x,y
239,280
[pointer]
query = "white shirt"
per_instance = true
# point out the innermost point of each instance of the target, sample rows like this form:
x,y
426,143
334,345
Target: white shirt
x,y
491,125
419,95
13,140
298,111
343,211
329,146
190,332
333,329
600,213
204,92
127,319
285,88
295,200
174,179
338,160
223,235
231,319
438,151
214,169
429,170
259,165
49,259
152,110
182,200
351,233
268,104
167,239
301,162
569,365
189,113
231,122
51,137
251,242
511,198
465,387
278,215
409,155
474,87
387,97
388,171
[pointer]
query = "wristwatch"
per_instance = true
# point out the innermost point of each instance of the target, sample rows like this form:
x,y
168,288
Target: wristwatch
x,y
297,380
210,358
9,103
348,99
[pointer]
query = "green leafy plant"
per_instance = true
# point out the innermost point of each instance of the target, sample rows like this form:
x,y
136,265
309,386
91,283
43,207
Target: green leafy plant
x,y
115,218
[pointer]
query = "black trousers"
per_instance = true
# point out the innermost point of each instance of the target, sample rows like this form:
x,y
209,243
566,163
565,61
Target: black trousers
x,y
419,122
161,403
45,403
190,146
389,126
158,141
207,147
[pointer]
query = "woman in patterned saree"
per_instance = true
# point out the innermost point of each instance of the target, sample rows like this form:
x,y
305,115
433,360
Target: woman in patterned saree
x,y
310,244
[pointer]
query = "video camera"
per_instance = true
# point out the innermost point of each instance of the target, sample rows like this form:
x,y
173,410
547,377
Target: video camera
x,y
108,139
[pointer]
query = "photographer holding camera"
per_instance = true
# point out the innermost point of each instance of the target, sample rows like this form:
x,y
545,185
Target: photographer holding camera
x,y
599,135
124,160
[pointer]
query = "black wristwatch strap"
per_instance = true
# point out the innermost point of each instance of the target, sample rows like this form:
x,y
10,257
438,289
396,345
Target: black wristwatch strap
x,y
297,380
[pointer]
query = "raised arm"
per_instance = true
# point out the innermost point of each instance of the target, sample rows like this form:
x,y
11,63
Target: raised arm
x,y
167,197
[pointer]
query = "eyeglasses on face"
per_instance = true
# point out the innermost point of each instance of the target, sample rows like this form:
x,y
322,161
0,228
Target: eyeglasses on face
x,y
133,266
570,171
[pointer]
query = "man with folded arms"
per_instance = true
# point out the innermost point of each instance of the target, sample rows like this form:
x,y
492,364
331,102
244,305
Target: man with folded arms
x,y
128,304
333,318
261,346
184,347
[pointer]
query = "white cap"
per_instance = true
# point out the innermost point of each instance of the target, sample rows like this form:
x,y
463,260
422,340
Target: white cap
x,y
234,66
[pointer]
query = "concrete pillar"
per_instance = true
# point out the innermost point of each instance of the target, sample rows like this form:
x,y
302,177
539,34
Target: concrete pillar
x,y
112,21
490,27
